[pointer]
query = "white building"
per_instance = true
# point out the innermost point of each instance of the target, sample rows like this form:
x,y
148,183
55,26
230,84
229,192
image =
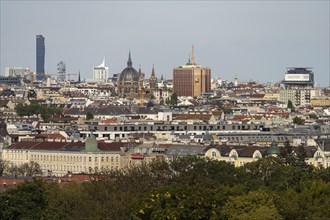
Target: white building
x,y
101,72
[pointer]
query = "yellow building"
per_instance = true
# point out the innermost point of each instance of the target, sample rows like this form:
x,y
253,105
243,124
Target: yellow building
x,y
320,102
272,96
240,155
60,158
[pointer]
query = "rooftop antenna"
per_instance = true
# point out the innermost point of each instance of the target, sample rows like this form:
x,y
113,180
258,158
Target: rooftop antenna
x,y
192,55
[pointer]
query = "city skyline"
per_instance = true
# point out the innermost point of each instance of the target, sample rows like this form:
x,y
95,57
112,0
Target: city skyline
x,y
247,40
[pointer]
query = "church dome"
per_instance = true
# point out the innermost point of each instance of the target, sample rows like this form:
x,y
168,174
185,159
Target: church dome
x,y
273,150
129,73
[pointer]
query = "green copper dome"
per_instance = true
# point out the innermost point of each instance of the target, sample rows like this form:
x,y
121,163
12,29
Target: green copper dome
x,y
273,150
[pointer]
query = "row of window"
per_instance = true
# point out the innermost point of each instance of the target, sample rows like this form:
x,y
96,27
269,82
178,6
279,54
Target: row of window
x,y
22,156
75,169
177,128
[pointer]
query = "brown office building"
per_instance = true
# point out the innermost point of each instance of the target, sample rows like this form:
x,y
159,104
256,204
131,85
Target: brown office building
x,y
191,79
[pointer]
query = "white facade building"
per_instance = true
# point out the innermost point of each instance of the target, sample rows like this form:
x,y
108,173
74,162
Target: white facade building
x,y
101,72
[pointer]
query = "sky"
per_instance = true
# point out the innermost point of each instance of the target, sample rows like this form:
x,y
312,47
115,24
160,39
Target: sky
x,y
250,40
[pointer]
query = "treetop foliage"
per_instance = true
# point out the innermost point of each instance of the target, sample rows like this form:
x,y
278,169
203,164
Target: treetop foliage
x,y
35,109
181,188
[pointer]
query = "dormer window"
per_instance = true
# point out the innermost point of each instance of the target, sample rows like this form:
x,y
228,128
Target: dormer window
x,y
214,154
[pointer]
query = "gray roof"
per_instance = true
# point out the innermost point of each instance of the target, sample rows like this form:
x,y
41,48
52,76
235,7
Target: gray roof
x,y
185,150
98,111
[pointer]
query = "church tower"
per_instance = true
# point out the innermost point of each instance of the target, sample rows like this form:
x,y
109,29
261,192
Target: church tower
x,y
153,80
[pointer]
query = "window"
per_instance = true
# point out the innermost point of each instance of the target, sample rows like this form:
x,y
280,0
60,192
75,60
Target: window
x,y
214,154
90,159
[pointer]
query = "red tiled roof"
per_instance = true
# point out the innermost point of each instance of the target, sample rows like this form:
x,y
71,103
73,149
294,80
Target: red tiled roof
x,y
114,146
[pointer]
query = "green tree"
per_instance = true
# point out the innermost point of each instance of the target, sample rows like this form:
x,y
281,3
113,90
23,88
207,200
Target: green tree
x,y
174,99
310,201
35,109
313,116
30,169
89,116
26,201
4,165
294,156
290,105
255,205
176,202
298,121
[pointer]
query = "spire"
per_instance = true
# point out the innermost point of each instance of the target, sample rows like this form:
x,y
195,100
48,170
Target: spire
x,y
129,62
188,60
79,77
153,72
192,55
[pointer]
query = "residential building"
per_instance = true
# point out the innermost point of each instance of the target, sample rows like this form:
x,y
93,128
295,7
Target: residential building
x,y
298,86
60,158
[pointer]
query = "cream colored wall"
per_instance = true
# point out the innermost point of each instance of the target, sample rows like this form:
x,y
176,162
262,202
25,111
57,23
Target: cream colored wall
x,y
62,162
271,96
197,81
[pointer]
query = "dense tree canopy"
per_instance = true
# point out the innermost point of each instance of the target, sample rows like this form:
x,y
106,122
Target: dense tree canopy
x,y
298,121
89,116
182,188
35,109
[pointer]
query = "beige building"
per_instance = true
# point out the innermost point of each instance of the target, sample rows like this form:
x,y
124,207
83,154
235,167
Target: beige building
x,y
60,158
272,96
324,101
238,156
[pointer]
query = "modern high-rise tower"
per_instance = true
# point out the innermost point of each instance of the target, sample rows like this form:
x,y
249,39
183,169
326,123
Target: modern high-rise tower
x,y
61,70
101,72
191,79
40,57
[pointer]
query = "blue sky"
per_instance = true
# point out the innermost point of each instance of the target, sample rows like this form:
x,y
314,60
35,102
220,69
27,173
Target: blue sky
x,y
248,39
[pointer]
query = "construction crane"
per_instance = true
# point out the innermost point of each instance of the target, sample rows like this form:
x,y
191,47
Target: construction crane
x,y
70,74
53,74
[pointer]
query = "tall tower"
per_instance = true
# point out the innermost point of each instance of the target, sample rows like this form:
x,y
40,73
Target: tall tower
x,y
153,80
40,57
192,55
101,72
61,70
191,79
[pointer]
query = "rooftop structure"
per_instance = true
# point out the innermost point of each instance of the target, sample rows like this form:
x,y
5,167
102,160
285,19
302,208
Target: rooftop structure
x,y
299,77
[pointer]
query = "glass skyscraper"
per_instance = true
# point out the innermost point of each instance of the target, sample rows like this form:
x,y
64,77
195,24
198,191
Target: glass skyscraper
x,y
40,57
61,70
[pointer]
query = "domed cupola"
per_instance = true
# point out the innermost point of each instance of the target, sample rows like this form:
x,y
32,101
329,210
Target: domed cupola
x,y
129,73
273,150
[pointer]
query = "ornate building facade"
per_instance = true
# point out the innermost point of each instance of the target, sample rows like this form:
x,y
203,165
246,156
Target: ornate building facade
x,y
129,81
